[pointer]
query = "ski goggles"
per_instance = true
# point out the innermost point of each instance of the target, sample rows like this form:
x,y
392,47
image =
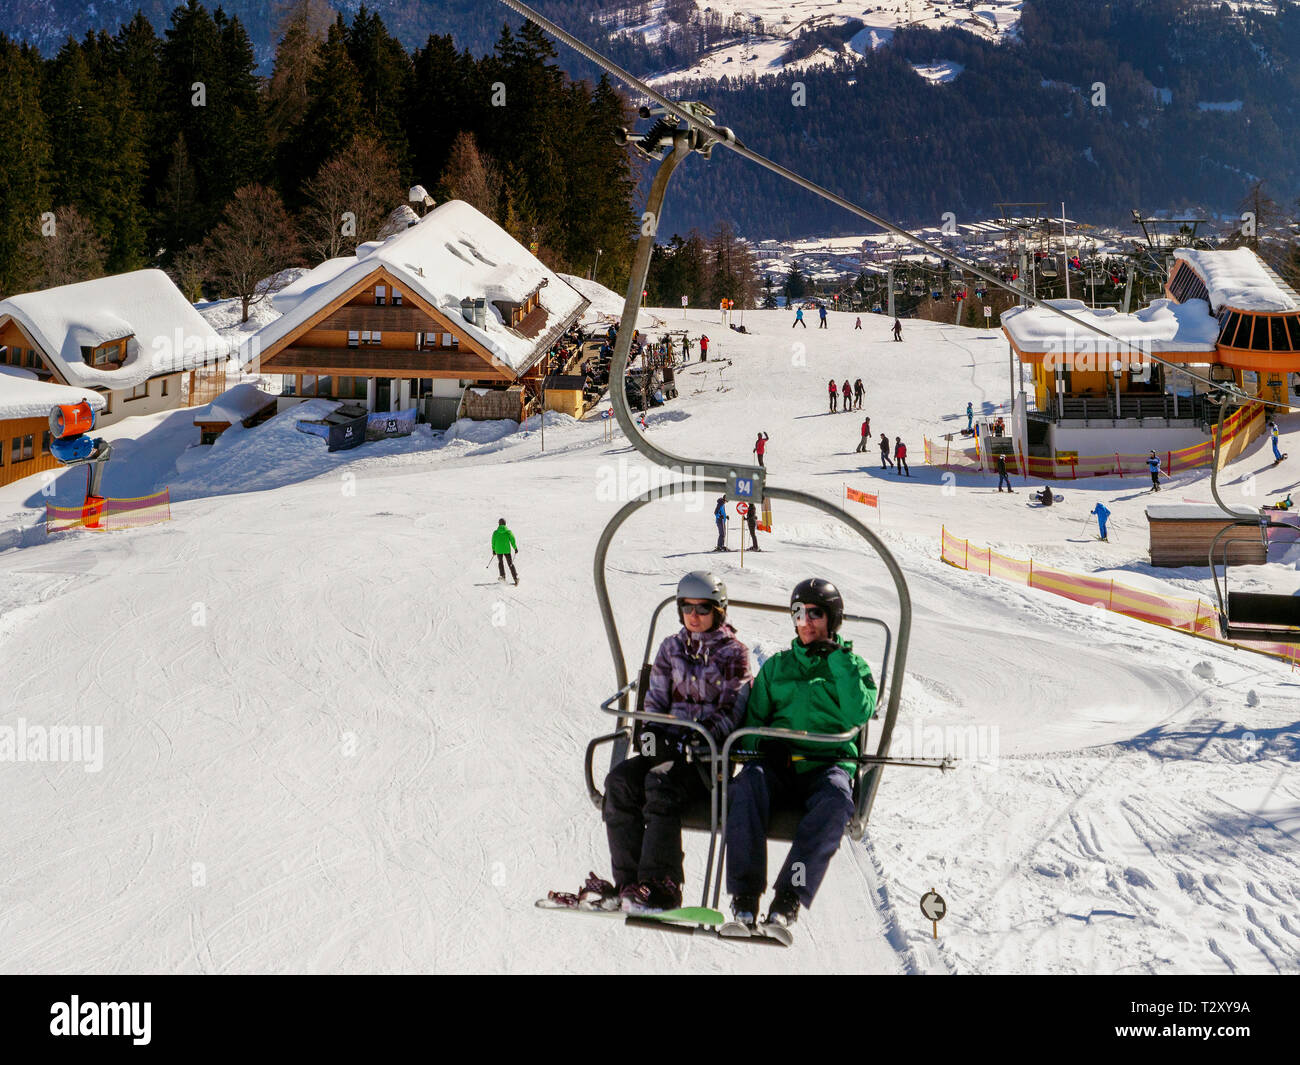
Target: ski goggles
x,y
801,611
696,608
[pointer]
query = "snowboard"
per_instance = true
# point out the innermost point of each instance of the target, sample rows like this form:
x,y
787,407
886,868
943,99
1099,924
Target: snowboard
x,y
1055,499
682,915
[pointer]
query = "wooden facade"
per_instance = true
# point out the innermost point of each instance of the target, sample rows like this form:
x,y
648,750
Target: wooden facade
x,y
20,437
378,329
1184,540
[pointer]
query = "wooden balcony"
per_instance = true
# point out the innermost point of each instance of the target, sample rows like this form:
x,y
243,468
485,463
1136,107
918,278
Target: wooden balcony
x,y
376,361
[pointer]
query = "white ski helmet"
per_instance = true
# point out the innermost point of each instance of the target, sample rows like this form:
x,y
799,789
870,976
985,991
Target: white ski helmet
x,y
701,584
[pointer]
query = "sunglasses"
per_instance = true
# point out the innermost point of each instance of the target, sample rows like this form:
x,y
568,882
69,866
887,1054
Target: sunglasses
x,y
697,608
800,611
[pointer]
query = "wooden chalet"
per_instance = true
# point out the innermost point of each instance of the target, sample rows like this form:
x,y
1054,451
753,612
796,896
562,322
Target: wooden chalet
x,y
448,304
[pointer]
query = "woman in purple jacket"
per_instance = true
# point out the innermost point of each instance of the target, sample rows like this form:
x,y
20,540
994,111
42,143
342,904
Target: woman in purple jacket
x,y
701,674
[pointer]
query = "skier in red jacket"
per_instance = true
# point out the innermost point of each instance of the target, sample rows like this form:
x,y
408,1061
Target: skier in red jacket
x,y
760,445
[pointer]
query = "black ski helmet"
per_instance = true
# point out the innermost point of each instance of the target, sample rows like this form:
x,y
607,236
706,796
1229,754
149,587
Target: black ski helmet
x,y
501,521
817,591
701,584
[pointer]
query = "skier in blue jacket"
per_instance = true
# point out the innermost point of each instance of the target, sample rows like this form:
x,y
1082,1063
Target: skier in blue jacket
x,y
1102,514
720,516
1153,464
798,318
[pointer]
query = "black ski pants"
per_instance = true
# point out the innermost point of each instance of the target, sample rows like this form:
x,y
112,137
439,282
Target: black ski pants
x,y
644,800
502,562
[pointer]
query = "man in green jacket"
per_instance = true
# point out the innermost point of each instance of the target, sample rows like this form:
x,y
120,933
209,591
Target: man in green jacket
x,y
503,543
818,685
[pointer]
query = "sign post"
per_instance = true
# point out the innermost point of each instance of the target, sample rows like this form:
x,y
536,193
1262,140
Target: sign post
x,y
933,909
742,508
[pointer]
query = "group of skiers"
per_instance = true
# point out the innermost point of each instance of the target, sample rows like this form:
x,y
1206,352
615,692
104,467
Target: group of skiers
x,y
857,324
852,396
720,517
701,676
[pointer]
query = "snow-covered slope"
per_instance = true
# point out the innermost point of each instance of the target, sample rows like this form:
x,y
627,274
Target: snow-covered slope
x,y
331,741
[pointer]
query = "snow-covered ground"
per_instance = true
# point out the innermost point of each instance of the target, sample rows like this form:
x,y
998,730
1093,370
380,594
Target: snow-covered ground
x,y
331,741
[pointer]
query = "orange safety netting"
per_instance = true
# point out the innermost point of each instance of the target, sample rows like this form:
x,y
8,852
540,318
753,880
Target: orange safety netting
x,y
108,515
1246,420
1193,616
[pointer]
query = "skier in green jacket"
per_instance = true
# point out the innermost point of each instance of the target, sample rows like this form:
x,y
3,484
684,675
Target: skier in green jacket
x,y
818,685
503,543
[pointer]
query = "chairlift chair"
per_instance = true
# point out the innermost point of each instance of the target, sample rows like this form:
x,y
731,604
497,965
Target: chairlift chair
x,y
1247,615
671,147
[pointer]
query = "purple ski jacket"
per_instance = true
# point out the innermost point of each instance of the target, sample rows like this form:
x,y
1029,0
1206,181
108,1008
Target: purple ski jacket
x,y
701,677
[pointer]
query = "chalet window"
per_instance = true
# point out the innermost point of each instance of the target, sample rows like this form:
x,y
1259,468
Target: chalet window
x,y
27,446
450,340
365,336
45,442
1241,339
397,298
164,386
139,392
352,338
380,295
32,361
376,337
287,386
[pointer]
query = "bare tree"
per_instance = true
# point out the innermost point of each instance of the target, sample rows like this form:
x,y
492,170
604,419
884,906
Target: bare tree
x,y
187,271
63,248
350,198
472,176
249,249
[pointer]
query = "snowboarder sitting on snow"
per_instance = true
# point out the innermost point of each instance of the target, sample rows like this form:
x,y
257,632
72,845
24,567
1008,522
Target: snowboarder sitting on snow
x,y
818,685
503,543
702,674
1045,496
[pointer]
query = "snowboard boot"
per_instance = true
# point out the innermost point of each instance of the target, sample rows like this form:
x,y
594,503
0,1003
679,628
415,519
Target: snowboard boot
x,y
781,915
651,896
599,893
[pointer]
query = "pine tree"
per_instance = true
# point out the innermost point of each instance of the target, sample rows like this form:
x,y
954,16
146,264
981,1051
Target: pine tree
x,y
302,26
386,80
24,193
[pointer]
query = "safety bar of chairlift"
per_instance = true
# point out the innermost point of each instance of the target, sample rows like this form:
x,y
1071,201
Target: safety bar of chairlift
x,y
1247,630
776,608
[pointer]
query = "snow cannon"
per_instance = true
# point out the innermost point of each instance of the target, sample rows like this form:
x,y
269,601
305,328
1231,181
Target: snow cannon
x,y
71,419
73,450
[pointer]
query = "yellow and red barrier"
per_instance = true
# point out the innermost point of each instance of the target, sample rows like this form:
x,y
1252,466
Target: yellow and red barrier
x,y
106,515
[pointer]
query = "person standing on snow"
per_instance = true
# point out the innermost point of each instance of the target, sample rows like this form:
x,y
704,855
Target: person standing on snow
x,y
1102,514
821,311
884,451
818,685
900,456
798,318
1153,464
847,393
700,674
898,330
857,324
1002,474
751,520
1272,432
720,517
503,543
834,390
866,435
760,446
704,348
970,418
859,390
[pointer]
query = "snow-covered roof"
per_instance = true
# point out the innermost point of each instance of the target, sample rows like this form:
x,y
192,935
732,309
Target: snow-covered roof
x,y
234,404
1164,326
24,395
167,333
452,253
1238,279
